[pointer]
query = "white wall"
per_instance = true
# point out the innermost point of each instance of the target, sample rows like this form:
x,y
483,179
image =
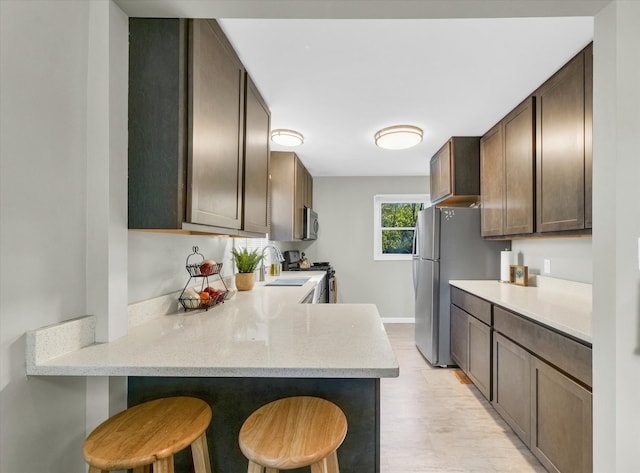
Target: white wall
x,y
616,218
345,239
43,152
570,258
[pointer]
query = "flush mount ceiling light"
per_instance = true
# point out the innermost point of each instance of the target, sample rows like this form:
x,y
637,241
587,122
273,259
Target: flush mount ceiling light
x,y
287,137
398,137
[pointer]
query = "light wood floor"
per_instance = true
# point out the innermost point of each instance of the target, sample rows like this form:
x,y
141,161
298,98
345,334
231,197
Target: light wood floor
x,y
431,422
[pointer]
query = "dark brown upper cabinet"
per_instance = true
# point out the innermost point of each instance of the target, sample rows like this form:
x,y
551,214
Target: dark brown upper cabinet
x,y
455,172
563,148
507,173
588,136
216,112
256,161
188,120
492,177
291,192
536,163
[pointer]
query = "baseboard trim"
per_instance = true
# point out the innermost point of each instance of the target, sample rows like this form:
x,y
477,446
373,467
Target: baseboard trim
x,y
398,320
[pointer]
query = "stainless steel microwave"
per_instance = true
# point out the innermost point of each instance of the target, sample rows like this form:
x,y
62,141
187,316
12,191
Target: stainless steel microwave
x,y
310,225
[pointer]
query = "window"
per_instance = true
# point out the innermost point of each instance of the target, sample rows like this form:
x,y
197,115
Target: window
x,y
394,220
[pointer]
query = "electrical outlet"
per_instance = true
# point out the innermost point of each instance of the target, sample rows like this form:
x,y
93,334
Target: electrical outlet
x,y
547,266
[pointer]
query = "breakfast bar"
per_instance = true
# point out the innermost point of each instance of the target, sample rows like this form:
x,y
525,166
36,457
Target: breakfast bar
x,y
259,346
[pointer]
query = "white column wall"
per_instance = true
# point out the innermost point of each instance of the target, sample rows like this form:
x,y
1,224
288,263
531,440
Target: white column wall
x,y
616,278
106,246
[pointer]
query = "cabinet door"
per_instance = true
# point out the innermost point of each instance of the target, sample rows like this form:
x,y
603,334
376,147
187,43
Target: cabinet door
x,y
282,166
511,385
299,199
519,164
308,190
492,181
561,426
588,133
440,169
479,359
560,149
256,162
216,104
459,336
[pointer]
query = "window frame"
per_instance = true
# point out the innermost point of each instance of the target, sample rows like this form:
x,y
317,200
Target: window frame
x,y
380,199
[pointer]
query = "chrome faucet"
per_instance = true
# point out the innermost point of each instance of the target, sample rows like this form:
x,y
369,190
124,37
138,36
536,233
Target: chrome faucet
x,y
278,255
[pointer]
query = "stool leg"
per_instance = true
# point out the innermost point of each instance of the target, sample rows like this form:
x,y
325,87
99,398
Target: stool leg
x,y
272,470
254,468
200,454
328,464
93,469
164,465
332,462
320,467
142,469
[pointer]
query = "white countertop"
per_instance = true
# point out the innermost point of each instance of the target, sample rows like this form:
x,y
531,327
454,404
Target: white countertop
x,y
260,333
559,304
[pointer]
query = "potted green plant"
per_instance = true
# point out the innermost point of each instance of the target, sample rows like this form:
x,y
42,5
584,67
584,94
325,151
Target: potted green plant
x,y
246,261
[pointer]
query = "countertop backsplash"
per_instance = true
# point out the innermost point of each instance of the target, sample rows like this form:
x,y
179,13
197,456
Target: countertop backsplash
x,y
157,261
570,258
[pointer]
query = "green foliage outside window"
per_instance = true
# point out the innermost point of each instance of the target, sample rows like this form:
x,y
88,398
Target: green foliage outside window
x,y
398,221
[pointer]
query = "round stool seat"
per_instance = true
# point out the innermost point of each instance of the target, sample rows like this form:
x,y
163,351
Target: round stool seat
x,y
148,432
293,432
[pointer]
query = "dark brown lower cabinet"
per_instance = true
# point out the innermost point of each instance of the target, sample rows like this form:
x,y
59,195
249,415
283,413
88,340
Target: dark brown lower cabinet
x,y
459,336
561,434
537,378
471,348
479,360
549,411
512,385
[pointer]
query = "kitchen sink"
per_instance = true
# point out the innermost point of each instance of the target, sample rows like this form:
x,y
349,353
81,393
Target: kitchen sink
x,y
288,282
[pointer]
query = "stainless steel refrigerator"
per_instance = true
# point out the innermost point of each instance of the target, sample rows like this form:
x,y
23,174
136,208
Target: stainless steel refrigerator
x,y
447,245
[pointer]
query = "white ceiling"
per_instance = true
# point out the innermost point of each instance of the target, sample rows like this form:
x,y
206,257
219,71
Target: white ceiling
x,y
340,80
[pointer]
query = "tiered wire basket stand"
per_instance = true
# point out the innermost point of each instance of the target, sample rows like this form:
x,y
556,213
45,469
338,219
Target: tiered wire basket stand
x,y
199,283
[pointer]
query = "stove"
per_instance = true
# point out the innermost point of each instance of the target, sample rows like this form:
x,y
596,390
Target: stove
x,y
324,266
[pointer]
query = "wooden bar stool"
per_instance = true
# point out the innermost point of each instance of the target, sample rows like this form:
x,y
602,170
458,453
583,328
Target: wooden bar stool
x,y
149,434
294,432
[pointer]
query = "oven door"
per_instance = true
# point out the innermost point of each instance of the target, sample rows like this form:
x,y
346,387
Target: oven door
x,y
331,288
310,228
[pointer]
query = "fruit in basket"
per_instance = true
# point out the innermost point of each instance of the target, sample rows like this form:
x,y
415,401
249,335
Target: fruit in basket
x,y
207,267
191,299
205,298
213,292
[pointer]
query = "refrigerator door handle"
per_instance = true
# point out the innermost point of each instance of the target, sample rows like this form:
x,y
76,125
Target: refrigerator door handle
x,y
416,258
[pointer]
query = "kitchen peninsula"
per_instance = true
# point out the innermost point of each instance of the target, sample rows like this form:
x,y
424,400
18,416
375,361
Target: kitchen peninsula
x,y
259,346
